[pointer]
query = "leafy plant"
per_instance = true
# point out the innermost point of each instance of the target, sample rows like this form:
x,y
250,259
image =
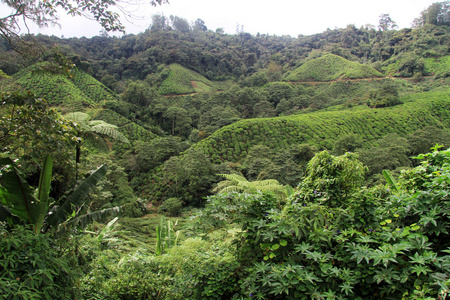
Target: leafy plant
x,y
238,183
33,267
18,198
166,236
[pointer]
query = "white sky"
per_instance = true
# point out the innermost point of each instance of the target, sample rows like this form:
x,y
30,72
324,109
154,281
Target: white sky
x,y
282,17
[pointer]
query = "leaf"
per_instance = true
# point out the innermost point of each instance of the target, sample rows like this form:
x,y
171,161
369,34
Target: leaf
x,y
390,180
275,246
45,180
19,196
76,199
283,243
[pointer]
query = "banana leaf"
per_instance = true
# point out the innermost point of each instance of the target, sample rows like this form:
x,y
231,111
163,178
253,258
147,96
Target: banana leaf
x,y
76,199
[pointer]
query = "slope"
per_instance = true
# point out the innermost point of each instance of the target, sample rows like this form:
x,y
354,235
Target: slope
x,y
76,93
322,129
331,67
181,80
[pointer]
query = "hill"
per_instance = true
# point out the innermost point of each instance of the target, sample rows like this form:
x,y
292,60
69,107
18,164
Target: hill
x,y
75,93
322,129
331,67
181,80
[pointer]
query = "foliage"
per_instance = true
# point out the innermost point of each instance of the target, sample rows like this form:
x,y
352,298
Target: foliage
x,y
385,97
33,266
189,177
17,198
379,245
331,67
184,81
238,183
166,236
171,207
30,130
330,180
322,129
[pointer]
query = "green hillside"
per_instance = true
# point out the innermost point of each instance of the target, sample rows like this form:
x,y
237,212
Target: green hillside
x,y
131,130
331,67
184,81
76,93
321,129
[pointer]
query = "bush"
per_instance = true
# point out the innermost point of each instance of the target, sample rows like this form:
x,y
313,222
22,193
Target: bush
x,y
171,207
32,267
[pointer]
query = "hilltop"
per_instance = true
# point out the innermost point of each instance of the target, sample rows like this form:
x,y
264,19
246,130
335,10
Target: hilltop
x,y
331,67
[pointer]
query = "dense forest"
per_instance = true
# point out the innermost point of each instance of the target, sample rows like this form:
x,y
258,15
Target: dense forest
x,y
186,163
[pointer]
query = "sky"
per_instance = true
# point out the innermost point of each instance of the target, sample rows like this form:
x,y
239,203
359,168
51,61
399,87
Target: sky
x,y
282,17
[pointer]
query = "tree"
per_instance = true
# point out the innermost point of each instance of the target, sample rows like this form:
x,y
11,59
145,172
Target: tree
x,y
330,180
179,118
392,152
180,24
347,143
386,23
199,25
159,23
45,13
30,130
436,14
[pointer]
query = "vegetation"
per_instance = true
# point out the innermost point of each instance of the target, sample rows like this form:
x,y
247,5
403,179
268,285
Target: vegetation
x,y
239,166
331,67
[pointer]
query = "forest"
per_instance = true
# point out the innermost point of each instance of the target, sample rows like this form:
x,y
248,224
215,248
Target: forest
x,y
186,163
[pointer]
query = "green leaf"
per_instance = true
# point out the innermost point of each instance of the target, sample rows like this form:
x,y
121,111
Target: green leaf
x,y
45,180
283,243
275,246
76,199
19,196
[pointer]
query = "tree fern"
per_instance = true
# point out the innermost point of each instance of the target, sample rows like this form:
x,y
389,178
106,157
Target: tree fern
x,y
238,183
88,126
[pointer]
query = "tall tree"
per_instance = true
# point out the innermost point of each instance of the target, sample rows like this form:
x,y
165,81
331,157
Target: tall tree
x,y
436,14
386,23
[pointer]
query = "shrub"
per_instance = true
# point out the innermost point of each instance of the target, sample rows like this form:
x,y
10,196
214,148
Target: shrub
x,y
32,267
171,207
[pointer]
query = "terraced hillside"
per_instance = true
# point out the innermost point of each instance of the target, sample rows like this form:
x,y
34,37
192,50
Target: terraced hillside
x,y
331,67
76,93
322,129
181,80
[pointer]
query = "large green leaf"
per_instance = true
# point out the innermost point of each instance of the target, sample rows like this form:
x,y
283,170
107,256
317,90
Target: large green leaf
x,y
86,219
17,194
45,180
76,199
